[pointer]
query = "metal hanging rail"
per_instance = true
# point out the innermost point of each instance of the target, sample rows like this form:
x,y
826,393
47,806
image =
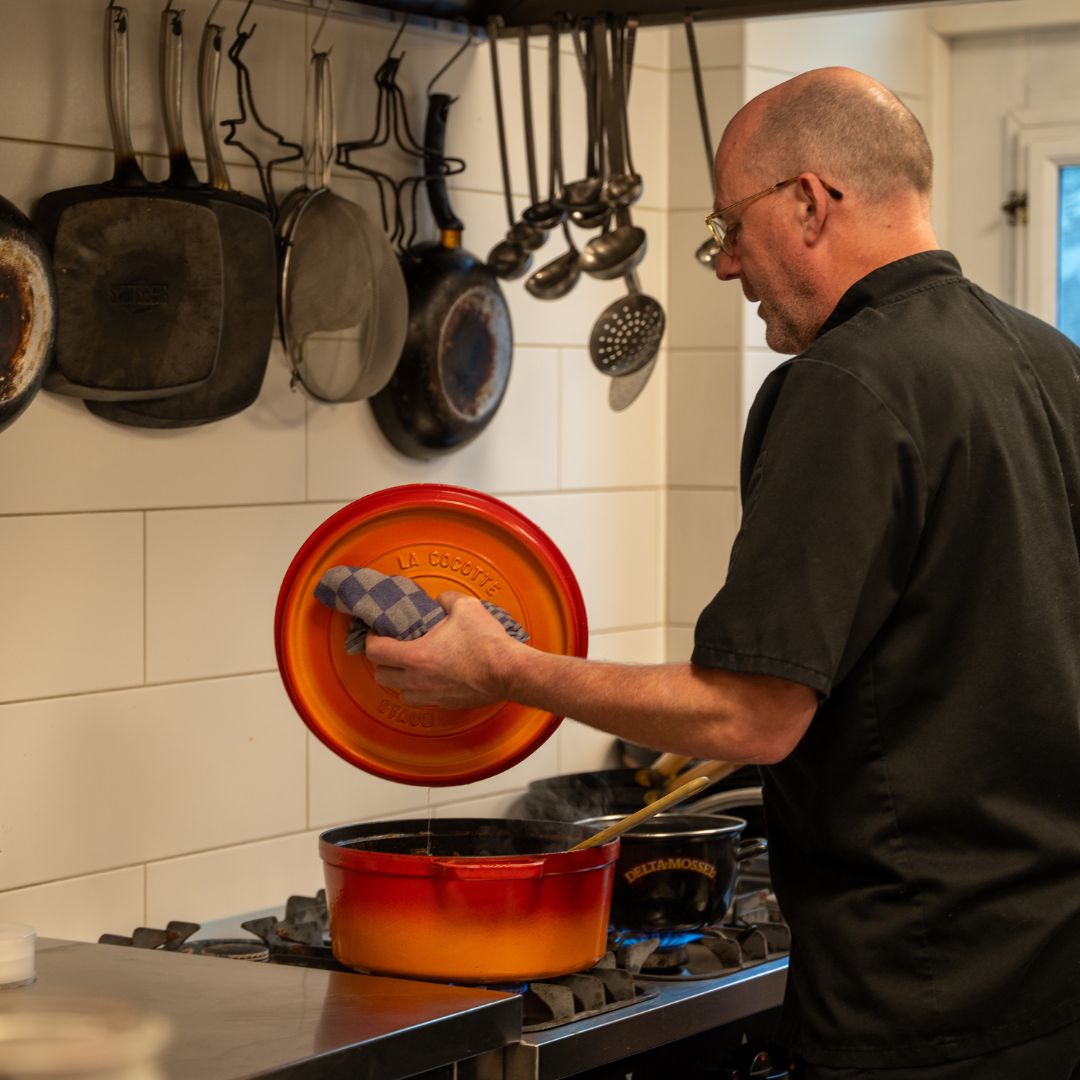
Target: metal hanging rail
x,y
538,13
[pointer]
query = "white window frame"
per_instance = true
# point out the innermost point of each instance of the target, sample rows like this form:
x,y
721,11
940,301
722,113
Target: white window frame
x,y
1042,141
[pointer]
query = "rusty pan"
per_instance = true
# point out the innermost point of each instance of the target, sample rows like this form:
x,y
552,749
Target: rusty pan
x,y
455,365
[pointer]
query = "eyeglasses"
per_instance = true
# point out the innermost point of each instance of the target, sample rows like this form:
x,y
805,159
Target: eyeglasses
x,y
725,234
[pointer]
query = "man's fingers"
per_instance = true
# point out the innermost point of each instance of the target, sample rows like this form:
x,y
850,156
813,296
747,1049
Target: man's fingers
x,y
451,597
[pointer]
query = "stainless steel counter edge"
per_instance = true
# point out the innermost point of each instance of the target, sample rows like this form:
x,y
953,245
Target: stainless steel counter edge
x,y
233,1020
680,1010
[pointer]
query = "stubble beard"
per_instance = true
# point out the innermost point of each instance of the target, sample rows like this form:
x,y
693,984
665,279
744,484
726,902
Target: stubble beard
x,y
791,324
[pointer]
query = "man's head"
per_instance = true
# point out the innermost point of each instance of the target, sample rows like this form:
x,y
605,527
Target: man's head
x,y
842,173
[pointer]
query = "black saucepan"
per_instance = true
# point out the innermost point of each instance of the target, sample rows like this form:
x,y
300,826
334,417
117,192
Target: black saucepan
x,y
455,365
677,871
614,791
27,312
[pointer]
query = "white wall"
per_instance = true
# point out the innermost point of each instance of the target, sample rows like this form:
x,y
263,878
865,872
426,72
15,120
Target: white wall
x,y
717,347
152,765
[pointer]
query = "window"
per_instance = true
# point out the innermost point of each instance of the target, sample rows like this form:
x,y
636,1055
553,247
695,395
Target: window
x,y
1068,245
1046,248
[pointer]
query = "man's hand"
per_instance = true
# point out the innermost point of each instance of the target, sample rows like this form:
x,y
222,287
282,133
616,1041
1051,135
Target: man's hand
x,y
463,663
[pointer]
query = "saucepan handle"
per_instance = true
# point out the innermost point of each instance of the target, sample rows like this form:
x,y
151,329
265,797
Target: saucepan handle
x,y
750,849
482,870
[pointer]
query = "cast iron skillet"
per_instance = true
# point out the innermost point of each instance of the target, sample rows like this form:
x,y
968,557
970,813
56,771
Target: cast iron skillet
x,y
455,365
27,312
248,248
139,278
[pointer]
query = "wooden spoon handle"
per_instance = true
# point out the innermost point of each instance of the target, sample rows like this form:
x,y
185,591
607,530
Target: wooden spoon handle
x,y
663,768
676,796
710,770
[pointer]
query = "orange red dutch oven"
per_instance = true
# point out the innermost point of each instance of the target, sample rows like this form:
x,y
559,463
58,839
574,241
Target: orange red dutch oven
x,y
467,900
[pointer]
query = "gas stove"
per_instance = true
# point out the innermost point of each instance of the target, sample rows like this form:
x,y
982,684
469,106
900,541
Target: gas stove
x,y
719,988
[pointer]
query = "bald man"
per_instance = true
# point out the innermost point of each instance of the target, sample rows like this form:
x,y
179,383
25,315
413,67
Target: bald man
x,y
897,641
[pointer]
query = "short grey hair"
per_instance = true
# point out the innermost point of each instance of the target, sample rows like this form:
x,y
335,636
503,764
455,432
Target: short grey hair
x,y
857,137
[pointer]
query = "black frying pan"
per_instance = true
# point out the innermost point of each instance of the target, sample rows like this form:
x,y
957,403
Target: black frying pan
x,y
249,255
139,278
27,312
575,796
455,365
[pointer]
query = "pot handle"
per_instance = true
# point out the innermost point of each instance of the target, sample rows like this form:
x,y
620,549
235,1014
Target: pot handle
x,y
750,849
480,870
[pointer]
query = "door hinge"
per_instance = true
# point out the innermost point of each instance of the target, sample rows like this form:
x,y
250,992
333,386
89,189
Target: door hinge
x,y
1015,208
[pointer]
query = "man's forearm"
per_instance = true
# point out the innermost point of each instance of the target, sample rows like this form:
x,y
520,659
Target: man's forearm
x,y
678,707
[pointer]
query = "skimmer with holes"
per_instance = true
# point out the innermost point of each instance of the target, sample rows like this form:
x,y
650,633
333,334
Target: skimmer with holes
x,y
628,332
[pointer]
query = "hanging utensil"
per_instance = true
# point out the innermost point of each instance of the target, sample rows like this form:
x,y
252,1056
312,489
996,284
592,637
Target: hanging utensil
x,y
665,802
27,312
140,284
626,389
560,275
619,250
338,272
585,193
628,332
556,278
706,252
249,254
545,214
623,188
531,230
509,258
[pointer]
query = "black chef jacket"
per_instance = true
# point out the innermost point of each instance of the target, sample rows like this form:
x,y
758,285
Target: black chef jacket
x,y
909,549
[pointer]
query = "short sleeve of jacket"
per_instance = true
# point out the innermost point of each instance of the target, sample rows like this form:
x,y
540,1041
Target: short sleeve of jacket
x,y
834,499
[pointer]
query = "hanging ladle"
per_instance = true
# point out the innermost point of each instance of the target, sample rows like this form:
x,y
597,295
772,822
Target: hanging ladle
x,y
509,258
560,275
585,194
596,213
545,214
622,188
614,253
646,812
707,251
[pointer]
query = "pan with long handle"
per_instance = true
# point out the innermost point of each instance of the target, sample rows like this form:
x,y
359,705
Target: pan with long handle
x,y
455,365
338,271
139,277
27,312
249,254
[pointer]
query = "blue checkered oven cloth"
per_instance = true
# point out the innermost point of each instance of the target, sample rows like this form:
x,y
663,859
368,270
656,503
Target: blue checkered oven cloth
x,y
390,605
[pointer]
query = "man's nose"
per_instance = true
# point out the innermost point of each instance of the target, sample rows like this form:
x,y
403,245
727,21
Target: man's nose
x,y
726,266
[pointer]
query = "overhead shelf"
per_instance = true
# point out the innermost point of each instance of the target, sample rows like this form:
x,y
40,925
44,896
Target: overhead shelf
x,y
648,12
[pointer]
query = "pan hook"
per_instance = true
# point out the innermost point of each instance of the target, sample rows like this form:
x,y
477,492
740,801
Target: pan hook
x,y
449,63
397,38
213,12
240,33
322,23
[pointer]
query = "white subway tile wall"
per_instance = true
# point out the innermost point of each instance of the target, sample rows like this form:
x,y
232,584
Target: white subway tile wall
x,y
155,767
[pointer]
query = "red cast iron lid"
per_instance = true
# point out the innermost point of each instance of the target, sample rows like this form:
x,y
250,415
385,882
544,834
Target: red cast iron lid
x,y
443,538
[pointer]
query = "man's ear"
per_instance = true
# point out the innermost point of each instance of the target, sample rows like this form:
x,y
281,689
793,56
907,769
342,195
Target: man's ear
x,y
814,206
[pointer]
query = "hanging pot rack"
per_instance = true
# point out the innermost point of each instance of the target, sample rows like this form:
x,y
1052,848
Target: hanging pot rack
x,y
537,14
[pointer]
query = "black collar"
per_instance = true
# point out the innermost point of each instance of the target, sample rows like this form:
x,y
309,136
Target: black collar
x,y
890,281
